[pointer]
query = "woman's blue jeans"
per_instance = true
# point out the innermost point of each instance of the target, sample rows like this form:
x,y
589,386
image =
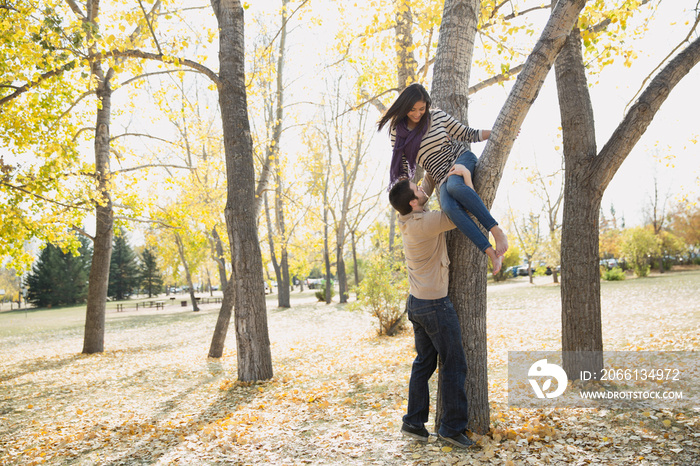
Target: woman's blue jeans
x,y
437,332
457,199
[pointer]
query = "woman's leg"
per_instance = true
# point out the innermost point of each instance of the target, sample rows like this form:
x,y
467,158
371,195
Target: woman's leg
x,y
460,217
463,191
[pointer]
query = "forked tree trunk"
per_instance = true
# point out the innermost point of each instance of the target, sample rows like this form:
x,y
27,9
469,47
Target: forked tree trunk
x,y
582,336
587,176
450,91
252,338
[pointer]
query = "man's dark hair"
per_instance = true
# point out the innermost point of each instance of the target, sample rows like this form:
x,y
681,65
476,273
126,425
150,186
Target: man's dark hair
x,y
401,196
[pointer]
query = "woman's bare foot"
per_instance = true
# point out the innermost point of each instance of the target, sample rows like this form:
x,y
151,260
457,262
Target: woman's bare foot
x,y
496,260
501,240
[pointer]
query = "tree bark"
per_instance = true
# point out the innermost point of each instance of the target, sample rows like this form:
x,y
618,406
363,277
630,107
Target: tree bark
x,y
450,91
98,282
252,338
587,176
404,44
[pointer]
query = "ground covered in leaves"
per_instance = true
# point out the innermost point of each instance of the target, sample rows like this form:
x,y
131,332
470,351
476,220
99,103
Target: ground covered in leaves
x,y
338,393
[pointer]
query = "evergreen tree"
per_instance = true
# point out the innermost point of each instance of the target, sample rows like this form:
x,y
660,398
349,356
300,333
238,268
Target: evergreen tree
x,y
59,278
151,280
123,269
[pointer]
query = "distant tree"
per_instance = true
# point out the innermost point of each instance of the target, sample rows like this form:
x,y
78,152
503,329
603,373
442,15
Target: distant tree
x,y
640,245
150,277
123,269
59,278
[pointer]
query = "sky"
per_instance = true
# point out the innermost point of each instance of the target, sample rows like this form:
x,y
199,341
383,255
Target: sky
x,y
539,142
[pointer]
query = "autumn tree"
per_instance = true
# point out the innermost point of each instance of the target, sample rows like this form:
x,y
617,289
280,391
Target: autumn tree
x,y
588,172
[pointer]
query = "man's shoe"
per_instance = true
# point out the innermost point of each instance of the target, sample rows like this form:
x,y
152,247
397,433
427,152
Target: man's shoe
x,y
459,440
421,434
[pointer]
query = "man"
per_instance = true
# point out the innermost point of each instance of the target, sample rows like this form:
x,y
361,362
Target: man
x,y
435,324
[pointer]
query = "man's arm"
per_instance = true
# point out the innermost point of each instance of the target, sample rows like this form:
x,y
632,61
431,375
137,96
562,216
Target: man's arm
x,y
428,185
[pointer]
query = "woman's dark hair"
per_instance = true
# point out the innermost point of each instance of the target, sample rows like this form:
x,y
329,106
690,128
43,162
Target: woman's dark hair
x,y
403,104
401,196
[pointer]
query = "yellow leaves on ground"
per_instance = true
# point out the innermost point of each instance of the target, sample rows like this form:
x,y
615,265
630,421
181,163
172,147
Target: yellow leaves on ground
x,y
337,396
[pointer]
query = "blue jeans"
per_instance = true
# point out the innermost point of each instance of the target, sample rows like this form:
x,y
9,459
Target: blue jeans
x,y
457,199
437,332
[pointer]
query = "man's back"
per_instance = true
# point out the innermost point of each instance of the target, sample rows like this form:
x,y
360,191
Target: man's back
x,y
426,253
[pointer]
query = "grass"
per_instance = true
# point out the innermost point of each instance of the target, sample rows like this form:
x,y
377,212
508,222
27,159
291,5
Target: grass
x,y
338,394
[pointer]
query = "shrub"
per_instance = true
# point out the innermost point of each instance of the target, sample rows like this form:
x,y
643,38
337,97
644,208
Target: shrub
x,y
383,292
614,274
321,294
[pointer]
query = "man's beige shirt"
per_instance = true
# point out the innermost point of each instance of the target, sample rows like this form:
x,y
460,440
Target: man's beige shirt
x,y
426,253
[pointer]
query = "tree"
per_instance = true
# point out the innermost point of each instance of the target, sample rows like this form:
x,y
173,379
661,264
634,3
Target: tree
x,y
124,274
59,278
450,92
527,234
639,246
587,174
150,279
685,222
246,291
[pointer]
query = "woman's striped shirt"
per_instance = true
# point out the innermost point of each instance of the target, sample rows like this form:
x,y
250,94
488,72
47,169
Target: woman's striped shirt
x,y
439,148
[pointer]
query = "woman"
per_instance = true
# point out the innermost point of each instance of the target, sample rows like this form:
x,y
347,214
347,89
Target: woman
x,y
427,137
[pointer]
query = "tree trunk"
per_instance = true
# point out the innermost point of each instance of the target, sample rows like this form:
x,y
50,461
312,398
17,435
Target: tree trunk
x,y
356,270
271,240
188,276
587,176
252,338
404,44
341,275
450,91
283,299
216,349
93,340
219,259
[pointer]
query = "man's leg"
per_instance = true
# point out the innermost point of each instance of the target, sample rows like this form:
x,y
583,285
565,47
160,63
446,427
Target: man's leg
x,y
454,371
423,366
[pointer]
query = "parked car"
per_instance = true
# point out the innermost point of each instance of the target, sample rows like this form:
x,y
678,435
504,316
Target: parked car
x,y
609,263
314,283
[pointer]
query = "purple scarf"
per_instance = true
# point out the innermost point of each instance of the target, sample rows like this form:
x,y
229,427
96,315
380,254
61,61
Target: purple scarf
x,y
406,145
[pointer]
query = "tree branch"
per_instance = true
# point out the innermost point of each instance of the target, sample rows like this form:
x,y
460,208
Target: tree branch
x,y
143,135
161,58
49,74
499,78
43,198
640,115
152,165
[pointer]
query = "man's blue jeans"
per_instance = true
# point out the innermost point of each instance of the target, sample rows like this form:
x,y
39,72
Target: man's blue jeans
x,y
437,332
456,199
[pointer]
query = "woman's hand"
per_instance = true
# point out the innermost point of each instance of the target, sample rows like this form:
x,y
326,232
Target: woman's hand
x,y
458,169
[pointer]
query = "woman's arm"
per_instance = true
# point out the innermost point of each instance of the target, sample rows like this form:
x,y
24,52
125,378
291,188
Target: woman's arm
x,y
460,132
